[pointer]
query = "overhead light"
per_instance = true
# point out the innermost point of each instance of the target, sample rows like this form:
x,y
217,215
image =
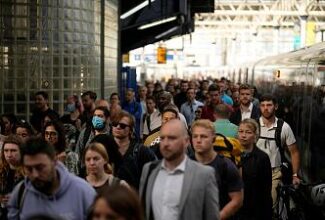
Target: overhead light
x,y
145,26
135,9
166,32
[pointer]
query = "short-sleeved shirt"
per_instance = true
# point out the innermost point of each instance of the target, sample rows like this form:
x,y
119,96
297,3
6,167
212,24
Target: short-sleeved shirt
x,y
228,181
269,146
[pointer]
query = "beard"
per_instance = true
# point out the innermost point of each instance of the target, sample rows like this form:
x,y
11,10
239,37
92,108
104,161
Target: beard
x,y
268,115
170,156
45,186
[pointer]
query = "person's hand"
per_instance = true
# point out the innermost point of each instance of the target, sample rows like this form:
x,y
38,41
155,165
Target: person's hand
x,y
295,180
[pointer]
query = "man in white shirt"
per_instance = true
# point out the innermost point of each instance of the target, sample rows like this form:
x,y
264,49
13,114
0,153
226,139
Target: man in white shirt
x,y
246,108
152,119
178,188
267,142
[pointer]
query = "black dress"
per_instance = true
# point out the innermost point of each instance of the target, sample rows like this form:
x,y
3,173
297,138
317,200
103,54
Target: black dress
x,y
257,177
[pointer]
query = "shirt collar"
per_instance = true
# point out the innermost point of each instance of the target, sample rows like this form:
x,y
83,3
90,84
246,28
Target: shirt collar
x,y
274,124
180,167
249,109
191,103
222,120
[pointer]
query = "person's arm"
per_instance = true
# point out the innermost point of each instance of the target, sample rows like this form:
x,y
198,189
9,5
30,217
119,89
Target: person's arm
x,y
294,152
236,201
138,113
265,184
295,161
79,144
143,178
13,209
234,189
211,198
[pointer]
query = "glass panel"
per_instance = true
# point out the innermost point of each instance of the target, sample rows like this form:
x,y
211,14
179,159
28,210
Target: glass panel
x,y
8,108
21,97
31,58
21,108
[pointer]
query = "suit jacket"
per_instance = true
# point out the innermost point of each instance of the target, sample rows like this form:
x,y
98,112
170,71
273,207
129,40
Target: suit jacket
x,y
199,196
235,117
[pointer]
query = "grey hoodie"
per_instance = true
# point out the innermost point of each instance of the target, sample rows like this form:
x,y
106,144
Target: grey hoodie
x,y
71,201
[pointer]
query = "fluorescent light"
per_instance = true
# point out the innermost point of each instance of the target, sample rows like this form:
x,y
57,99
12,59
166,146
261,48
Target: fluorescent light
x,y
135,9
166,32
157,23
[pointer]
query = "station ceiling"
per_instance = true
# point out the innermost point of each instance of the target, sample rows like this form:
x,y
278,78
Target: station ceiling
x,y
216,18
171,18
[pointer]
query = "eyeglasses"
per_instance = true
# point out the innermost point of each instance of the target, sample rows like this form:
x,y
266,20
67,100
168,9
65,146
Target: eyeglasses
x,y
121,125
51,133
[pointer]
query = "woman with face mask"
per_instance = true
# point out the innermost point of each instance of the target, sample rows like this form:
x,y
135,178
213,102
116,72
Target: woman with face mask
x,y
98,128
73,109
72,121
99,121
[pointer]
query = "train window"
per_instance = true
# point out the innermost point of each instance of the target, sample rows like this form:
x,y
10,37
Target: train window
x,y
317,123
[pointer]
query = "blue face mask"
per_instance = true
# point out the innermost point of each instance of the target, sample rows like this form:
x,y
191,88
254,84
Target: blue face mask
x,y
71,107
98,123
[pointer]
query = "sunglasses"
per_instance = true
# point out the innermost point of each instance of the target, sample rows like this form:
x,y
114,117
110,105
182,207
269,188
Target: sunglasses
x,y
121,125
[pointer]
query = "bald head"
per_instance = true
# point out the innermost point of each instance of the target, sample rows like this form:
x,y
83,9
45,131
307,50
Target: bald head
x,y
176,126
173,141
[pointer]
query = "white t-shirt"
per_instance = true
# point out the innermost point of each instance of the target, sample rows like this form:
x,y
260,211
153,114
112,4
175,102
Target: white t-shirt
x,y
269,146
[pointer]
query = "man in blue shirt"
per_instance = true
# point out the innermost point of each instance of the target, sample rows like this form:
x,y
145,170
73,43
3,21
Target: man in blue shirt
x,y
134,108
224,97
188,108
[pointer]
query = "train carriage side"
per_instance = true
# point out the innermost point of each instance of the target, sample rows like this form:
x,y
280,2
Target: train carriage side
x,y
298,81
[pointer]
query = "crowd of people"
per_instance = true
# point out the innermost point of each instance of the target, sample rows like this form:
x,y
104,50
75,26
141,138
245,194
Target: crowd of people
x,y
151,155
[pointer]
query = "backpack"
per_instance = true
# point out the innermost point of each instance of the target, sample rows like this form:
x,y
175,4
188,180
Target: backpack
x,y
286,168
228,147
277,139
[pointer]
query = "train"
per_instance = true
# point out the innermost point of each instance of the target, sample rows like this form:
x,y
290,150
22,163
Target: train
x,y
297,79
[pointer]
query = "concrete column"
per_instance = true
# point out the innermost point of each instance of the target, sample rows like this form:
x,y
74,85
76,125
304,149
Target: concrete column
x,y
276,33
303,24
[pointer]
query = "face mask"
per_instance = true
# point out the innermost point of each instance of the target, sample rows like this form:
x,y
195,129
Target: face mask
x,y
98,123
71,107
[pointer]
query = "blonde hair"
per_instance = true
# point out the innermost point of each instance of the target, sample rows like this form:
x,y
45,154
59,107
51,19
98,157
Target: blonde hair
x,y
99,148
204,123
253,125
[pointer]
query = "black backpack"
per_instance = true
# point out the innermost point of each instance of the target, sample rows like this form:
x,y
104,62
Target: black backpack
x,y
277,139
286,167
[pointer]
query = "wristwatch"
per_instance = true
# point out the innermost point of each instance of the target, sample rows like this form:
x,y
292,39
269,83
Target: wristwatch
x,y
295,175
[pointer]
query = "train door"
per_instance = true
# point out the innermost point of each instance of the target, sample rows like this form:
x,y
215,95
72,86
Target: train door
x,y
303,113
316,138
